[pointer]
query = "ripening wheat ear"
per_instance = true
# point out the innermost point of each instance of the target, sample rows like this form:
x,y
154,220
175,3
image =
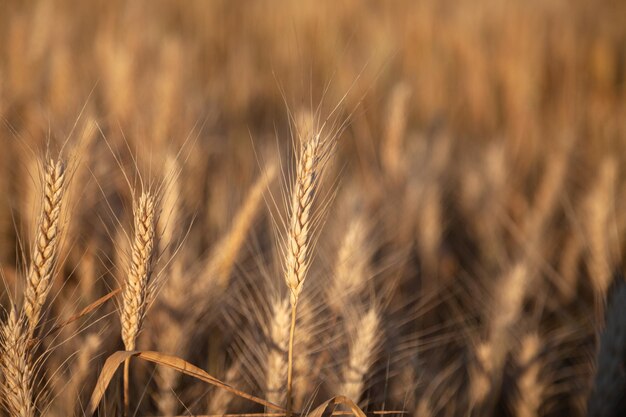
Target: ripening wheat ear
x,y
46,245
530,386
490,355
314,154
17,386
276,368
135,295
365,342
313,157
351,266
221,263
598,218
136,290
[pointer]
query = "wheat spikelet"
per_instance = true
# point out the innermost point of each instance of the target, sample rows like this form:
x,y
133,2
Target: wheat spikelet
x,y
276,368
530,386
365,342
18,377
45,248
140,269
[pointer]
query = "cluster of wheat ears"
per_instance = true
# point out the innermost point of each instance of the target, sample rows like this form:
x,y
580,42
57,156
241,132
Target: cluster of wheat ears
x,y
230,208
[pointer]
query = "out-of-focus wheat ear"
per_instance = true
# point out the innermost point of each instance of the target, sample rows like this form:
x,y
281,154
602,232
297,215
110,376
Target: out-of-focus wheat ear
x,y
530,387
18,381
225,254
548,192
303,381
168,224
510,295
429,233
597,224
423,409
221,399
278,341
350,266
491,354
607,396
403,386
366,338
46,244
480,371
166,399
134,296
392,151
81,371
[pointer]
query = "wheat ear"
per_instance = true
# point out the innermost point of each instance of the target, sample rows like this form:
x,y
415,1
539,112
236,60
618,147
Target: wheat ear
x,y
365,342
598,218
221,399
276,370
225,254
350,267
529,384
17,387
46,246
137,283
313,158
490,355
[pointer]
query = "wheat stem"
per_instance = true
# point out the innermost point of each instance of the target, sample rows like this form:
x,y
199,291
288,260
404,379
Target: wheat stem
x,y
292,332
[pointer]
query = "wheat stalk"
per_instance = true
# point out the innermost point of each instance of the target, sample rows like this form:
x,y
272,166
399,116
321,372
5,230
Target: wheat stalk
x,y
46,246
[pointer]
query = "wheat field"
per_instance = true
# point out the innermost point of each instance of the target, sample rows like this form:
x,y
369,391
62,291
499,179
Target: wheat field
x,y
255,208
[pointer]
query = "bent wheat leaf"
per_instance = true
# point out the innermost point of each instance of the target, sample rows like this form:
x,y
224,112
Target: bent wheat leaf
x,y
113,362
327,408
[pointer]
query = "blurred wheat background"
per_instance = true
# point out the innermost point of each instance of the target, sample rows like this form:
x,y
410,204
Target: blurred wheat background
x,y
459,219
